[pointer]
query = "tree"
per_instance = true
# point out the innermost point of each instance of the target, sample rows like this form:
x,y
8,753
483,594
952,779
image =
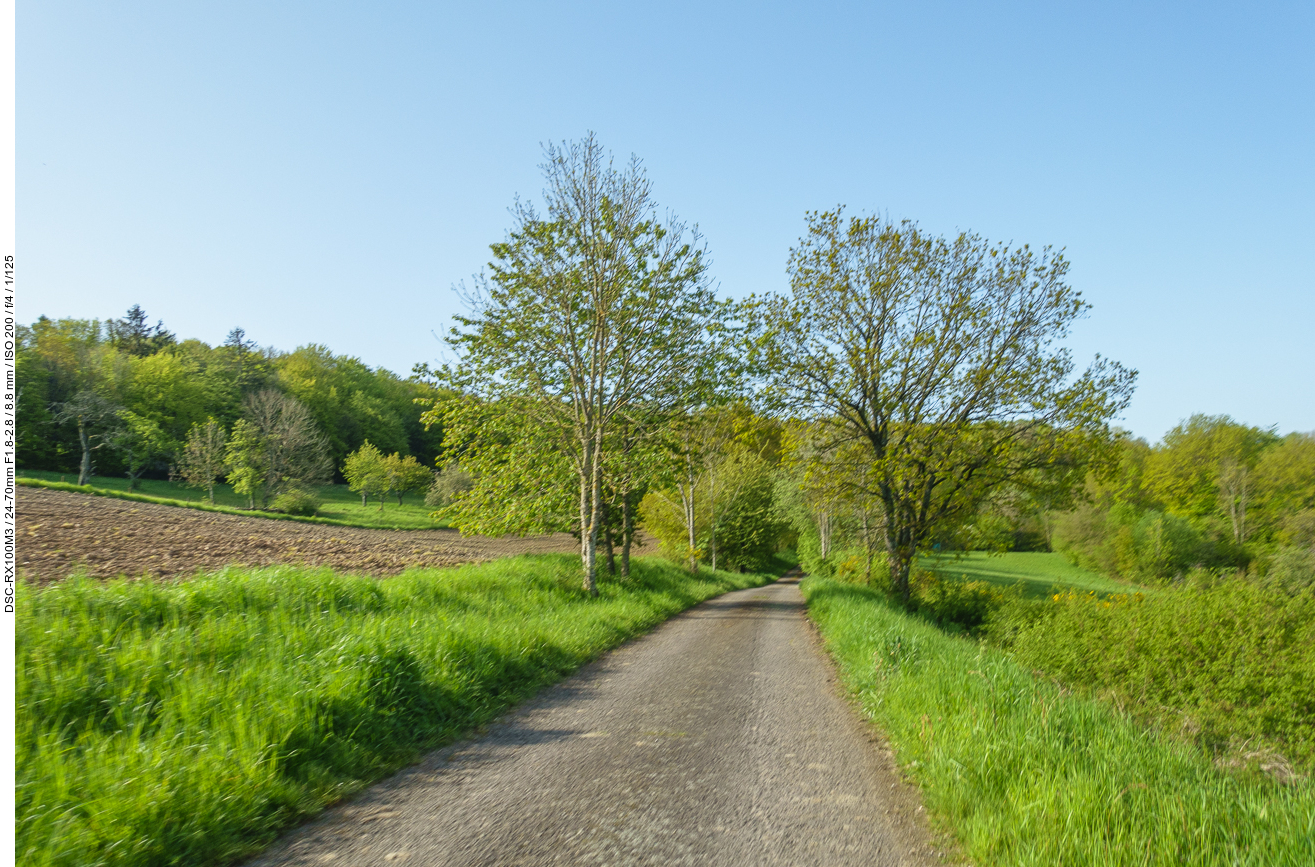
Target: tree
x,y
140,441
406,475
939,357
202,460
132,336
366,474
277,446
1203,468
591,310
246,458
449,483
95,417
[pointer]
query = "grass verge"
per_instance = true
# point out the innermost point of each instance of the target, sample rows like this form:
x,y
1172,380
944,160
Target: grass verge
x,y
1025,774
187,723
338,506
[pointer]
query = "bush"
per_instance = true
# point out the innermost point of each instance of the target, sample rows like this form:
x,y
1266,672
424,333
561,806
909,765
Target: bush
x,y
296,501
1145,546
1226,661
448,484
958,605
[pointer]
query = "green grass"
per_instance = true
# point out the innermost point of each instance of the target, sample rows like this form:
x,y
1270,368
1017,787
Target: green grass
x,y
339,505
1037,573
1228,663
188,723
1022,773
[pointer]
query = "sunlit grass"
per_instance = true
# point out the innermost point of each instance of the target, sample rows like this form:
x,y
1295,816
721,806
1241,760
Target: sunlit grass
x,y
1023,774
1036,572
186,723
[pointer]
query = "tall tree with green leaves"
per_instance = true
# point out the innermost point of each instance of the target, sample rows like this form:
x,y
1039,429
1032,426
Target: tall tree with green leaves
x,y
366,473
275,447
406,475
940,356
594,308
202,460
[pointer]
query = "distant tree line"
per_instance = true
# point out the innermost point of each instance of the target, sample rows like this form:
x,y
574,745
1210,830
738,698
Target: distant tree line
x,y
124,397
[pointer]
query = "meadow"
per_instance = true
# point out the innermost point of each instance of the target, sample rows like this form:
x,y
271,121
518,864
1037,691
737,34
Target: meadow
x,y
338,504
1025,772
188,723
1035,573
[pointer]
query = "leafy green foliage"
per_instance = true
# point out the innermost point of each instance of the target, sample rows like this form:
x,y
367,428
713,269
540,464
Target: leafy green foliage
x,y
406,476
177,385
938,357
366,474
190,722
1025,774
597,317
296,501
1228,662
202,462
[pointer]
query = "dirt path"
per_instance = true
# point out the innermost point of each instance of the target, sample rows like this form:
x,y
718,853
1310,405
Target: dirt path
x,y
59,531
719,739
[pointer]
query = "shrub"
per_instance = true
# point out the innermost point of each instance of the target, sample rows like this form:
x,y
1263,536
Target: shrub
x,y
448,483
1224,660
296,501
957,605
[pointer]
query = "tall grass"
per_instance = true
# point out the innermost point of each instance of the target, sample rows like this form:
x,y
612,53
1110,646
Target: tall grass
x,y
1025,774
187,723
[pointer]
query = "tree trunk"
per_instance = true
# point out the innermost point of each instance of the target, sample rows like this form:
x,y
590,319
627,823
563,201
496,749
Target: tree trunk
x,y
900,563
712,492
84,438
607,539
210,490
689,522
627,533
365,499
589,520
867,545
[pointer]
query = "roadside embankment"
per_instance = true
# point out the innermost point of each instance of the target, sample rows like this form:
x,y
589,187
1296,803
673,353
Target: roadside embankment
x,y
1024,773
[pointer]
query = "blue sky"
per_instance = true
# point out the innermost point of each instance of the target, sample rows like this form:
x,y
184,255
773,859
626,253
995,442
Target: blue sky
x,y
325,172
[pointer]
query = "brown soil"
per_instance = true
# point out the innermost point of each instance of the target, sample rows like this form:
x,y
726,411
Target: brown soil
x,y
60,533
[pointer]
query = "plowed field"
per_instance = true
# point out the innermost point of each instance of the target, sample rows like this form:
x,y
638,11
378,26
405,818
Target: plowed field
x,y
60,533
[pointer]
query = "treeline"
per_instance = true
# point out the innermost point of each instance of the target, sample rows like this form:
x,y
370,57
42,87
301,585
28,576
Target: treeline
x,y
1212,494
122,397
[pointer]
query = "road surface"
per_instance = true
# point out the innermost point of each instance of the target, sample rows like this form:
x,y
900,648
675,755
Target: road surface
x,y
720,738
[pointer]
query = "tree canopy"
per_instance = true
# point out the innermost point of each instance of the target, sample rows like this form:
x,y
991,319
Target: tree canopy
x,y
940,356
594,313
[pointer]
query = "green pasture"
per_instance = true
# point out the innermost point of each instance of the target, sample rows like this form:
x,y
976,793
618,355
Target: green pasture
x,y
188,723
339,505
1036,572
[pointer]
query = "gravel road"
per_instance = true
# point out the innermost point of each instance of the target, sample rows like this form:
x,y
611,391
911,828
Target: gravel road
x,y
720,738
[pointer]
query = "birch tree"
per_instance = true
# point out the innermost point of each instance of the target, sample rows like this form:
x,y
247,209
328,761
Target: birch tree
x,y
588,310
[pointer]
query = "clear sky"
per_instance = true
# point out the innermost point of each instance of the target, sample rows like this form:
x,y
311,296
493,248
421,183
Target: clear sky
x,y
325,172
